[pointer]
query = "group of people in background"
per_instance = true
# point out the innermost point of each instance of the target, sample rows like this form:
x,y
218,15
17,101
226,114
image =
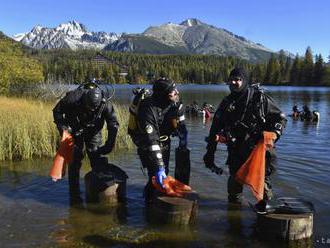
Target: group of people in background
x,y
239,123
205,110
305,114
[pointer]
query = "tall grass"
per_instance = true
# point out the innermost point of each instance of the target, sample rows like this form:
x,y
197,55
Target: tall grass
x,y
27,129
123,140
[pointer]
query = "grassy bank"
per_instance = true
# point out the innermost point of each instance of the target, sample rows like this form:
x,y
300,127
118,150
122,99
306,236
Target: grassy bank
x,y
27,129
123,141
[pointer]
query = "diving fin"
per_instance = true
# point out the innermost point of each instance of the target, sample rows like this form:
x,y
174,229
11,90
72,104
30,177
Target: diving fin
x,y
283,205
291,205
182,165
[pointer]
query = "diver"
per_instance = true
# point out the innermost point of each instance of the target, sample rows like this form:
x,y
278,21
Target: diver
x,y
158,117
82,113
295,112
239,122
308,115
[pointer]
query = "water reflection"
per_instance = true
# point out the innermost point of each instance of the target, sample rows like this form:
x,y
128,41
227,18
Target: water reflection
x,y
32,206
82,222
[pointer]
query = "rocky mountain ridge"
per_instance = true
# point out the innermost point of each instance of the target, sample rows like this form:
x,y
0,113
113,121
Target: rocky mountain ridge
x,y
191,36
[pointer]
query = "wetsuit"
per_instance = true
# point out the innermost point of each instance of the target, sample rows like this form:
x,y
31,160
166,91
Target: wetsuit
x,y
157,121
85,126
241,118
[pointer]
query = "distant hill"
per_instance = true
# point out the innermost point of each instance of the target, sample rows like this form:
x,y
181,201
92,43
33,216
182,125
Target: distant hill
x,y
16,65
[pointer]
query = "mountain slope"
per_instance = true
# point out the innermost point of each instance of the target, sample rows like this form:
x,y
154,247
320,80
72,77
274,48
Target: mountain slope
x,y
16,65
143,44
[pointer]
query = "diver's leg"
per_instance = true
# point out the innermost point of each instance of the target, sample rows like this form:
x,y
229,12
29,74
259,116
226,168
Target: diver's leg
x,y
147,163
74,167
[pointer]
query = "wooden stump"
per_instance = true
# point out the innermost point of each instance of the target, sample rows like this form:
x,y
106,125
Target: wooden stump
x,y
285,226
113,194
175,210
98,193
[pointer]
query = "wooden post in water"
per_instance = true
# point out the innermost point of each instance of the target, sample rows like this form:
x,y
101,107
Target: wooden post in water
x,y
97,191
285,226
176,210
113,194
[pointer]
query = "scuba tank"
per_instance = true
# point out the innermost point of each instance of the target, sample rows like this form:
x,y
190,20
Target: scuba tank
x,y
139,95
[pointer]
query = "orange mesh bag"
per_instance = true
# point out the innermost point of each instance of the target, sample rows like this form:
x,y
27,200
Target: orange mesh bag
x,y
172,187
252,172
63,157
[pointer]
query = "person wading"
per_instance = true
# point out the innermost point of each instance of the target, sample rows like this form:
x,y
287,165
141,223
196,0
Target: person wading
x,y
159,116
239,122
83,112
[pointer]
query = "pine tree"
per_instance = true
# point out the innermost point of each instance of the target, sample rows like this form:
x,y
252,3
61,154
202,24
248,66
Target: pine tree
x,y
272,75
307,70
282,58
326,76
296,70
318,69
286,73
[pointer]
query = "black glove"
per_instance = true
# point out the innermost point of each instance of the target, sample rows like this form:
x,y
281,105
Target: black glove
x,y
183,136
209,163
208,159
103,150
183,144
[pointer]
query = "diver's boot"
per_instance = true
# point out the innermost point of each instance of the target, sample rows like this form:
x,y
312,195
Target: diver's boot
x,y
260,207
266,207
74,197
148,194
235,199
74,191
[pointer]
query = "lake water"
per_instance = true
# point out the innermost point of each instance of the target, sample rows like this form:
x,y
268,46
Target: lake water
x,y
36,212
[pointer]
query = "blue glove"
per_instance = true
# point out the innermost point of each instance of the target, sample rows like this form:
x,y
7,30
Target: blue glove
x,y
160,176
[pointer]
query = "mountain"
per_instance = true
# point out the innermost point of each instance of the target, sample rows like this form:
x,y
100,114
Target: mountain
x,y
200,38
189,37
71,35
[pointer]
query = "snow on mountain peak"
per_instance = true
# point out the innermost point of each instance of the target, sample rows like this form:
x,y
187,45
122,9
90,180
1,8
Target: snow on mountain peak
x,y
36,29
191,22
72,28
19,37
71,34
169,33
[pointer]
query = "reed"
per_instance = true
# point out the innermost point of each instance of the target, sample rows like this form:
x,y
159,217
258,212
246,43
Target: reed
x,y
27,129
123,140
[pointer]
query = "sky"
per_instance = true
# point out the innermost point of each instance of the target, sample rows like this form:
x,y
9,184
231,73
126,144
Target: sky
x,y
291,25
